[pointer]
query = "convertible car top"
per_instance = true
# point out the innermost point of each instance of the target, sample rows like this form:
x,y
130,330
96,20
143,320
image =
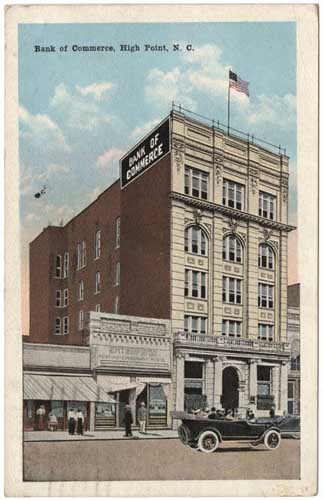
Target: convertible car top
x,y
205,434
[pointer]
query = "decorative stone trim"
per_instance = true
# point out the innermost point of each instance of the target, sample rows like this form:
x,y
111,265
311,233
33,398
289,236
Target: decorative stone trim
x,y
230,212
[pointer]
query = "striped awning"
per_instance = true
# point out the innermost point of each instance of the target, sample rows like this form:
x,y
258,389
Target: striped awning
x,y
120,386
64,388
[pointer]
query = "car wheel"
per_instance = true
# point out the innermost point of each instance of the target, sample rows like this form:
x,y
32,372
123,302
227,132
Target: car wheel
x,y
272,440
208,442
183,434
194,448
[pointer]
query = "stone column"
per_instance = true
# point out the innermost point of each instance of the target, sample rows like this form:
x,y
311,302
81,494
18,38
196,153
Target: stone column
x,y
253,383
92,416
217,385
283,386
209,383
179,382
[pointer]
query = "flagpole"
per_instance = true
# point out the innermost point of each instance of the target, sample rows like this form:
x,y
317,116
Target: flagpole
x,y
229,105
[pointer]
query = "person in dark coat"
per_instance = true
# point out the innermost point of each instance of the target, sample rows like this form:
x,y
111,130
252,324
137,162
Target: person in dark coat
x,y
212,414
272,412
128,420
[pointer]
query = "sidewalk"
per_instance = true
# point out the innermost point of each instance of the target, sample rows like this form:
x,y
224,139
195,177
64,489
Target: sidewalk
x,y
97,435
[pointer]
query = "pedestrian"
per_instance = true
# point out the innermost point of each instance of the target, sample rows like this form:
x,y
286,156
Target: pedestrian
x,y
272,412
229,415
142,418
80,422
40,413
71,421
128,420
53,423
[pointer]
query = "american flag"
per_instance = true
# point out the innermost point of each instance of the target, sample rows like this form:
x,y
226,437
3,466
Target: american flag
x,y
236,83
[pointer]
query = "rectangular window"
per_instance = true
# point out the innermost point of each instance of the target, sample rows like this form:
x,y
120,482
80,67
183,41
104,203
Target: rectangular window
x,y
97,282
195,324
58,298
231,291
118,232
81,320
195,284
65,325
117,281
97,252
116,306
58,266
196,183
58,326
81,290
98,308
265,332
231,328
267,205
81,255
233,195
265,296
65,265
65,297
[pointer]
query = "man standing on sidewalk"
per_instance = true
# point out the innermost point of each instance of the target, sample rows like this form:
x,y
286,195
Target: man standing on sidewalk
x,y
128,421
142,418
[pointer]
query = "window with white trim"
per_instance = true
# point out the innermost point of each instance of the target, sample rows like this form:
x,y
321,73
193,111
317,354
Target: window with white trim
x,y
195,324
65,297
233,194
66,265
97,252
81,290
231,328
98,308
267,205
81,255
58,300
195,284
196,183
232,249
231,291
265,256
65,325
265,296
116,305
118,232
58,326
58,266
265,332
117,280
97,282
81,320
195,241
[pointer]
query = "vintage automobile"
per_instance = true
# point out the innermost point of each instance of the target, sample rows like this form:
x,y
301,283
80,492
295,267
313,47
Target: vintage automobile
x,y
205,434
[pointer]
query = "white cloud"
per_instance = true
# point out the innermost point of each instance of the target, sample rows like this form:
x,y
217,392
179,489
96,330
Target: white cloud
x,y
95,193
109,156
278,110
41,129
98,90
78,109
56,168
164,87
142,130
31,217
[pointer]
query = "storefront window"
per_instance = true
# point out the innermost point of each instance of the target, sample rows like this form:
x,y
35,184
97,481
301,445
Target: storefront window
x,y
105,410
28,409
77,405
157,404
57,407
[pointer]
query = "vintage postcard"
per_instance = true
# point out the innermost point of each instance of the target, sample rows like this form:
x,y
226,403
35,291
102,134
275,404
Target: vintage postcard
x,y
161,232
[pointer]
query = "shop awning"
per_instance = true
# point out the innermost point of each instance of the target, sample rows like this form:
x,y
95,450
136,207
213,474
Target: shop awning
x,y
64,388
122,386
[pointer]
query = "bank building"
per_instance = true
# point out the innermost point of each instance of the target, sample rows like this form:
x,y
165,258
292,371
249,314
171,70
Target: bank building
x,y
170,288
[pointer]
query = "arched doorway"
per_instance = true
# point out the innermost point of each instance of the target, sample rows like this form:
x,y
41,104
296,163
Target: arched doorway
x,y
230,385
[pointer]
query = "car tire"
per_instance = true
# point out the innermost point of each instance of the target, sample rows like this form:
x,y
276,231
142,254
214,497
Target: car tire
x,y
183,434
272,440
208,442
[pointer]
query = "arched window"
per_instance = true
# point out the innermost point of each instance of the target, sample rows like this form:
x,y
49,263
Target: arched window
x,y
195,240
265,256
232,249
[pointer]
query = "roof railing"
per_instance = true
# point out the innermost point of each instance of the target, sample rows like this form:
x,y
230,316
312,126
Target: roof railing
x,y
216,124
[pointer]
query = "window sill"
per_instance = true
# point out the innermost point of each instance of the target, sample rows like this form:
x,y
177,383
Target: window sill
x,y
195,298
266,269
266,308
97,293
97,258
232,303
60,334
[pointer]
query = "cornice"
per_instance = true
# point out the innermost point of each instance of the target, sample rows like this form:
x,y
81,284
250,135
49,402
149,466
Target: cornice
x,y
230,212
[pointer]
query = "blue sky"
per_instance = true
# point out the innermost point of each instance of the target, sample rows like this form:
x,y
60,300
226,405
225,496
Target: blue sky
x,y
79,112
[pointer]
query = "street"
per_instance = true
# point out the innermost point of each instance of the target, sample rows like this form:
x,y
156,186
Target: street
x,y
151,459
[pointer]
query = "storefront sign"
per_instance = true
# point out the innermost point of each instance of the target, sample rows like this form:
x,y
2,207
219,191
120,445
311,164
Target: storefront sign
x,y
145,154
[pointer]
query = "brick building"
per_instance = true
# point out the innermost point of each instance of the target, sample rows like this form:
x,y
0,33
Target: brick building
x,y
195,232
293,335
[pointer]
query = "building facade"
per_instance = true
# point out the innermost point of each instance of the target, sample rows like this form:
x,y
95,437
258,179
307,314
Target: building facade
x,y
293,334
196,233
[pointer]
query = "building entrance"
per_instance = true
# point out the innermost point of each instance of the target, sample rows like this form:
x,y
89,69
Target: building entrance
x,y
230,393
